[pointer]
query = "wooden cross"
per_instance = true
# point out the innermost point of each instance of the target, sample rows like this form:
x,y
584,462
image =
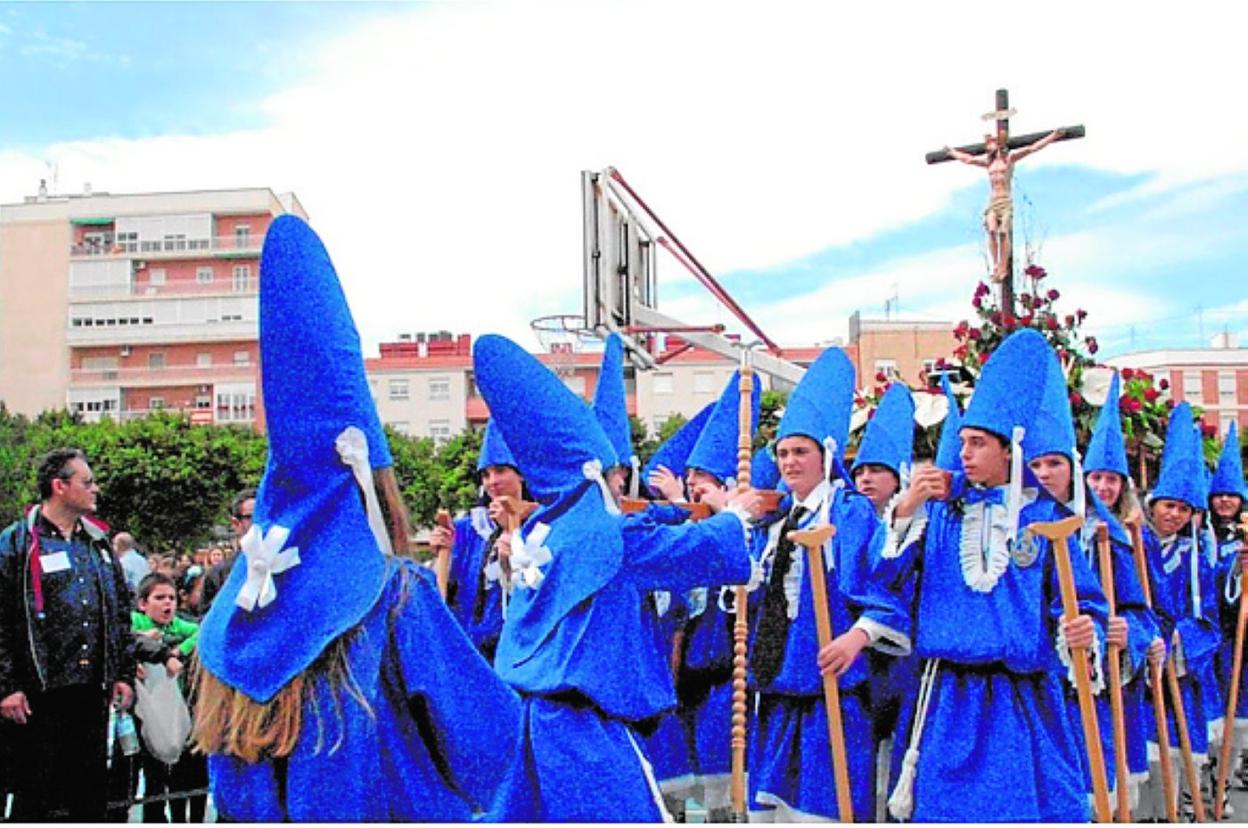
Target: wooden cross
x,y
1002,116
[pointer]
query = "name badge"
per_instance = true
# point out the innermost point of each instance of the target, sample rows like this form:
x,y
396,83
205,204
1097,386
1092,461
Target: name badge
x,y
55,562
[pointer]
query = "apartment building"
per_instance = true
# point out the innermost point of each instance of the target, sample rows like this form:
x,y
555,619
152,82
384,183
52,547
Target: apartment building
x,y
126,304
1213,378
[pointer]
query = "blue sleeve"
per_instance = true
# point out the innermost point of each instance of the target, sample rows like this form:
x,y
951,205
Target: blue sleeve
x,y
667,513
683,556
859,535
476,717
1201,633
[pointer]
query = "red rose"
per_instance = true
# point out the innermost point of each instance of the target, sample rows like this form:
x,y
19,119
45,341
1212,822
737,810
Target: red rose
x,y
1025,299
880,377
1050,322
1169,403
1027,320
1053,295
1075,399
1037,303
977,303
974,334
1151,394
996,317
1093,347
1070,320
983,357
981,290
1134,405
940,362
1082,314
1208,429
1035,271
1164,384
1127,373
1009,321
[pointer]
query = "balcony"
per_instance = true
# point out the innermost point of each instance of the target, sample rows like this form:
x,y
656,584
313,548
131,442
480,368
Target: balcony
x,y
177,248
169,290
161,332
169,375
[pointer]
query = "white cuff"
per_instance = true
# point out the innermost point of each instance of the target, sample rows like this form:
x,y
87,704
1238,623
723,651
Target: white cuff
x,y
902,531
1097,672
883,637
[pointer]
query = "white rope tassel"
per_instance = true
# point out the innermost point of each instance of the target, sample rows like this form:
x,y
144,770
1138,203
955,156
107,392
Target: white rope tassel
x,y
592,470
1015,504
1081,491
352,447
829,453
901,803
1195,570
634,482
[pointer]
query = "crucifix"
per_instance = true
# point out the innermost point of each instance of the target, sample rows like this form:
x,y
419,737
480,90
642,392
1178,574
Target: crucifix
x,y
1000,152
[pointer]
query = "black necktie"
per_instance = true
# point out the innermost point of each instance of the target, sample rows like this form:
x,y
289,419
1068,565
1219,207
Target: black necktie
x,y
478,604
773,620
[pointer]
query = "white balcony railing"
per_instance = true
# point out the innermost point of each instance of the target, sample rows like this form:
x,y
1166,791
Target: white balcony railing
x,y
162,332
170,290
166,375
178,248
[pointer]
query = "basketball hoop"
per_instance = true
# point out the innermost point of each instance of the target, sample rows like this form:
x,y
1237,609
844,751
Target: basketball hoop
x,y
562,336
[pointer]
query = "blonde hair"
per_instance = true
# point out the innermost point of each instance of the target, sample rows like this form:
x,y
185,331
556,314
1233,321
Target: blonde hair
x,y
229,722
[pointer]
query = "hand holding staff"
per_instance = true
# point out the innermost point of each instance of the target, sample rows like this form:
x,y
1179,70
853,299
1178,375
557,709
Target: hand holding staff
x,y
1237,666
1134,526
1059,532
813,540
442,564
515,511
1115,677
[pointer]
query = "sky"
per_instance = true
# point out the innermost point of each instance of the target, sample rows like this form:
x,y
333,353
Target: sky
x,y
437,147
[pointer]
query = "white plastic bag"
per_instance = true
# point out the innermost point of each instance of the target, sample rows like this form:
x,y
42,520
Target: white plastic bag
x,y
166,719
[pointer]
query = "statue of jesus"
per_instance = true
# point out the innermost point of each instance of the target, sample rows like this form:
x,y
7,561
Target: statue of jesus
x,y
999,214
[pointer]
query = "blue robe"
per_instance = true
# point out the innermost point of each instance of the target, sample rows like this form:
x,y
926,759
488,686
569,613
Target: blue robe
x,y
587,668
1229,587
791,766
437,742
998,744
665,741
1185,599
475,601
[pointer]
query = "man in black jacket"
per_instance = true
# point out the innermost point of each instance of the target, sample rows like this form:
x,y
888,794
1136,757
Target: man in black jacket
x,y
65,651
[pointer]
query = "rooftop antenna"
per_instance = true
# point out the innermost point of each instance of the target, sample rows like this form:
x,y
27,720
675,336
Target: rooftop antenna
x,y
892,303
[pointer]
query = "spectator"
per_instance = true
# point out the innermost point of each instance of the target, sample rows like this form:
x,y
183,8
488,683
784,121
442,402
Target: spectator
x,y
163,637
64,646
133,564
241,508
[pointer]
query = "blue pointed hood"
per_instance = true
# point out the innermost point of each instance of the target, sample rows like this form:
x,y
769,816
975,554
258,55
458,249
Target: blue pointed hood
x,y
494,451
764,472
611,403
673,454
1052,428
1011,387
1107,450
1182,471
715,451
573,539
1229,477
820,405
949,450
889,438
311,531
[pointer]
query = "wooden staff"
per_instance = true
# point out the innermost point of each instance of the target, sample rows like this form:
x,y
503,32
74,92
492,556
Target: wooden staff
x,y
1185,741
1134,524
740,625
1059,532
1115,677
813,540
1237,666
442,564
770,501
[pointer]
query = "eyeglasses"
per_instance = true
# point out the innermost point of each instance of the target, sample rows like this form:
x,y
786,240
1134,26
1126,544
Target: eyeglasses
x,y
243,516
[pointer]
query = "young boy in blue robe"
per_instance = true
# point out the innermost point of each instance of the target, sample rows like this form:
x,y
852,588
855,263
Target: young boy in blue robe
x,y
1050,453
474,592
334,683
790,759
573,644
1111,501
1184,595
987,736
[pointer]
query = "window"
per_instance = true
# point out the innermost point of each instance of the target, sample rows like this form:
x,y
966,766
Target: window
x,y
401,426
703,382
203,360
1191,386
156,359
887,367
236,404
242,278
175,241
203,401
203,274
662,383
242,236
398,389
440,429
156,276
1227,396
128,242
155,403
439,388
242,359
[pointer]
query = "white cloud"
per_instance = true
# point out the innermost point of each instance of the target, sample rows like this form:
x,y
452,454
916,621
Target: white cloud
x,y
438,148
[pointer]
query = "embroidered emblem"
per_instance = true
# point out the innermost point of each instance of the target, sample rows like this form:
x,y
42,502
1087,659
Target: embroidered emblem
x,y
1024,553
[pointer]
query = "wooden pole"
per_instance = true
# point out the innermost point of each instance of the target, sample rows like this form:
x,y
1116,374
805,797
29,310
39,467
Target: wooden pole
x,y
1237,666
1134,526
442,564
740,626
813,540
1059,533
1185,741
1121,773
